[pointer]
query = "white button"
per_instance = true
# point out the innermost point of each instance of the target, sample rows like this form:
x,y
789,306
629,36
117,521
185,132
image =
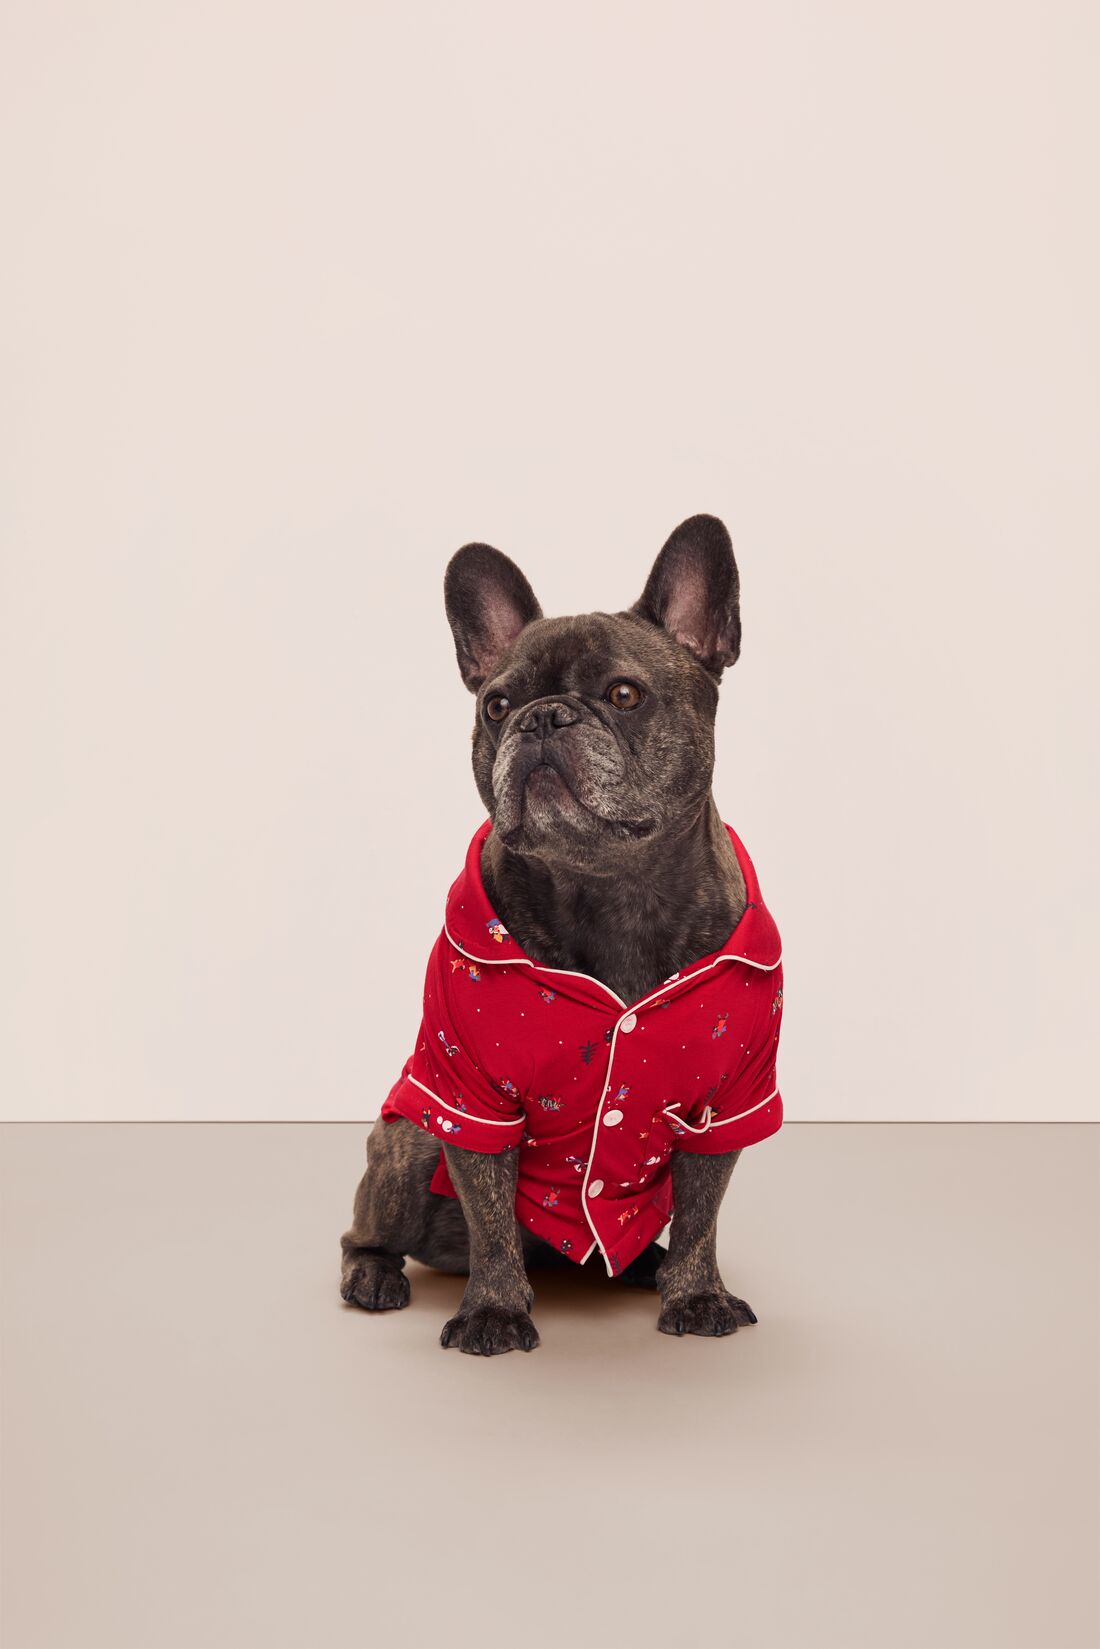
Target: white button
x,y
595,1188
629,1022
610,1118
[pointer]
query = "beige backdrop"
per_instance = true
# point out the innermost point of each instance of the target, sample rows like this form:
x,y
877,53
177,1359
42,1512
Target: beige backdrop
x,y
297,298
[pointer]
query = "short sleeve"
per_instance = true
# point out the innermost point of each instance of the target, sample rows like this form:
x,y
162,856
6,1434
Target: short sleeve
x,y
748,1106
442,1087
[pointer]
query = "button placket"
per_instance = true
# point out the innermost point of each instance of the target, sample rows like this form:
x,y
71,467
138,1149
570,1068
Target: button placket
x,y
594,1194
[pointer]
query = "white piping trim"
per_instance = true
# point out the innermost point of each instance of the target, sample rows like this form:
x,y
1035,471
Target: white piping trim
x,y
666,1110
683,978
516,1122
571,973
710,1123
747,1113
518,961
592,1152
592,1147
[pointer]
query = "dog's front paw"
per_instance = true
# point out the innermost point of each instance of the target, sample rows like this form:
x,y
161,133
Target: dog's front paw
x,y
713,1314
486,1330
374,1286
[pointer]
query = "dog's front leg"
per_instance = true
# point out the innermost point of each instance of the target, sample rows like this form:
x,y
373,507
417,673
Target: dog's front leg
x,y
494,1314
694,1299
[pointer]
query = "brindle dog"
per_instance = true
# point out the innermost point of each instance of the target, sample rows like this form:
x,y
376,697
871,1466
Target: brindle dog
x,y
608,857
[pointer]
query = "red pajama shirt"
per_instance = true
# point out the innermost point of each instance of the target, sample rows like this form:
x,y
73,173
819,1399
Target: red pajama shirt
x,y
596,1092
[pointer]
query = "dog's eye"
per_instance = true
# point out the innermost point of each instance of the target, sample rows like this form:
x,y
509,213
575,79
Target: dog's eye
x,y
497,707
624,695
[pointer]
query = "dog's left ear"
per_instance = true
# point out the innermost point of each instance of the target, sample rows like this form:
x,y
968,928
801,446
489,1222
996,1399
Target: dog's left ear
x,y
694,592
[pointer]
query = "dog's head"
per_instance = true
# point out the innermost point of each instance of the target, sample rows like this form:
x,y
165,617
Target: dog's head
x,y
595,734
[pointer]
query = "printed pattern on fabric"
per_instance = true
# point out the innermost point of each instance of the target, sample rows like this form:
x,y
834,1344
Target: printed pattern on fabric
x,y
596,1094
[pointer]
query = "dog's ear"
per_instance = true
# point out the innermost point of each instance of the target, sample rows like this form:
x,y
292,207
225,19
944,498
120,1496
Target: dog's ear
x,y
694,592
488,603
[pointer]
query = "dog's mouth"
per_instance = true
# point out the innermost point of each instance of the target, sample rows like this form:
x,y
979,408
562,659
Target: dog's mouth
x,y
546,784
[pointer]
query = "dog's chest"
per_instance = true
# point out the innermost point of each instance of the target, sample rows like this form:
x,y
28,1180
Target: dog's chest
x,y
628,935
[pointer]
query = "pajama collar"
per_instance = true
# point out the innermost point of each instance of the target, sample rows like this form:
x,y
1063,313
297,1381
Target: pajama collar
x,y
475,930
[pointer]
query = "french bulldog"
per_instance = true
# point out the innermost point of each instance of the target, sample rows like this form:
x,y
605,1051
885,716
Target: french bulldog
x,y
607,859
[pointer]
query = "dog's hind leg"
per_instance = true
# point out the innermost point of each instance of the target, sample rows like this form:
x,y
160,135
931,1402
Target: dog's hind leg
x,y
392,1215
642,1270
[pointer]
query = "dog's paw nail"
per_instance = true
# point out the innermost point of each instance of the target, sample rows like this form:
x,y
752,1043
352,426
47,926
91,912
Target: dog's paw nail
x,y
487,1331
713,1315
741,1309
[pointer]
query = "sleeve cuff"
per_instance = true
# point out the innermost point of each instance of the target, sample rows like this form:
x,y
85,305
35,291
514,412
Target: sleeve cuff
x,y
734,1133
449,1122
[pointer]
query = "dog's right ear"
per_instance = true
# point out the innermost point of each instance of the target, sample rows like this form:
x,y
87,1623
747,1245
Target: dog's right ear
x,y
694,592
488,603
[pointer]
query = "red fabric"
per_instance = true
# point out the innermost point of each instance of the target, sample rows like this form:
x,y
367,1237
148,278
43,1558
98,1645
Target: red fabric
x,y
595,1092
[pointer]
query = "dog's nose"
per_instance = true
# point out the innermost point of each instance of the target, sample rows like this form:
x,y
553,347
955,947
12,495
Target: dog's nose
x,y
543,718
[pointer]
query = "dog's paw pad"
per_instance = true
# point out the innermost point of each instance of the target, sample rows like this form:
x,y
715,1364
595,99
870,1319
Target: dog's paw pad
x,y
488,1330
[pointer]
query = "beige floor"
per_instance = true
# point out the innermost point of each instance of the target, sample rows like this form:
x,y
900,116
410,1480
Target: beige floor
x,y
203,1447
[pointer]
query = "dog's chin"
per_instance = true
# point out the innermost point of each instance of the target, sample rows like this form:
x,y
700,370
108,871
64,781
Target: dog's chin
x,y
550,821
